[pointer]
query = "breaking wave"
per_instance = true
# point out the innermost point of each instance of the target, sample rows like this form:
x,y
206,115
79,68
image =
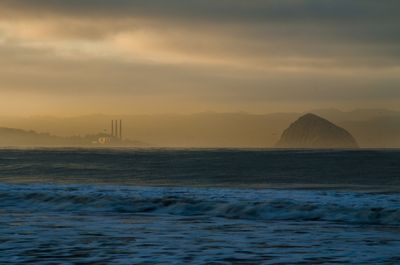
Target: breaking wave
x,y
263,205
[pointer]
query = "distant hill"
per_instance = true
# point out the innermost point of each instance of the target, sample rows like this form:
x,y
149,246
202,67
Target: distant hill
x,y
312,131
336,115
18,137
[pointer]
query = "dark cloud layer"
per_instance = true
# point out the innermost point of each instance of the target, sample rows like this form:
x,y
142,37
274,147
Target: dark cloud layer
x,y
233,9
224,51
293,27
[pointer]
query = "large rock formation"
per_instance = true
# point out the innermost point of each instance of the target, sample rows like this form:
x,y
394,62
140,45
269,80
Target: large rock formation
x,y
312,131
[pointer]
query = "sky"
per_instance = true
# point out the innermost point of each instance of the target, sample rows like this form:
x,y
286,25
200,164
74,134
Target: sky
x,y
75,57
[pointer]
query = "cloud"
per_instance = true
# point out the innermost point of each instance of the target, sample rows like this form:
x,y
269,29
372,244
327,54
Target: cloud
x,y
221,51
259,34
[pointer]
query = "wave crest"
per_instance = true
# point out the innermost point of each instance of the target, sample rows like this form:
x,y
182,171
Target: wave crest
x,y
273,209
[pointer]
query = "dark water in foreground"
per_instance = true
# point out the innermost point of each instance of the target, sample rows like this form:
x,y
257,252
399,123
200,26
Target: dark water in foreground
x,y
76,206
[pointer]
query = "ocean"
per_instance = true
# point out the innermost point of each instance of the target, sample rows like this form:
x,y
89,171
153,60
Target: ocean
x,y
199,206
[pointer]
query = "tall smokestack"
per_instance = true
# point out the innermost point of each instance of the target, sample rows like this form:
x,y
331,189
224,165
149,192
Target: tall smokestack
x,y
116,128
120,129
112,127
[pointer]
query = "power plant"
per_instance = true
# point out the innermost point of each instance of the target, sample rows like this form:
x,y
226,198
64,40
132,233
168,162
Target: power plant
x,y
115,135
116,129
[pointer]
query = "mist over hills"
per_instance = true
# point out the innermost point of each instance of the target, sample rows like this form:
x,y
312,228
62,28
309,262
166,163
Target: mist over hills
x,y
375,128
18,137
355,115
10,137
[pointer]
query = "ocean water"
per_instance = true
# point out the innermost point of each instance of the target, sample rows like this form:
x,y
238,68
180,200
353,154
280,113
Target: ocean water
x,y
216,206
